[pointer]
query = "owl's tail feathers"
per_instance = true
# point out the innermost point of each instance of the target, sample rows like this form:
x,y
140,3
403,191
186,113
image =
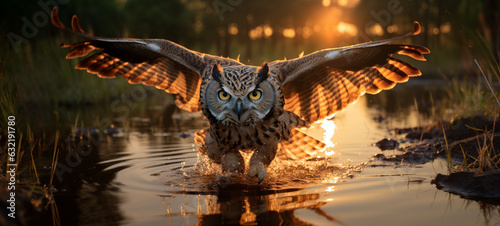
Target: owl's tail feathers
x,y
299,146
199,138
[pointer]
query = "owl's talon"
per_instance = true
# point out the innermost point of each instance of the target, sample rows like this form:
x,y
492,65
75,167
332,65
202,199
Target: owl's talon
x,y
257,171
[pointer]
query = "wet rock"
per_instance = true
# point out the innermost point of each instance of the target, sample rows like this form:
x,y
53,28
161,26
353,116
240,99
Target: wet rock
x,y
85,131
380,156
425,146
112,130
417,135
380,118
407,130
387,144
185,135
410,157
471,185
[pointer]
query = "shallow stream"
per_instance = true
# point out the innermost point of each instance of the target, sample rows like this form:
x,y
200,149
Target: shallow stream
x,y
150,173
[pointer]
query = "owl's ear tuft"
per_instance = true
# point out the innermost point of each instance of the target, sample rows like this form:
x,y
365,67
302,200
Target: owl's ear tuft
x,y
217,73
262,72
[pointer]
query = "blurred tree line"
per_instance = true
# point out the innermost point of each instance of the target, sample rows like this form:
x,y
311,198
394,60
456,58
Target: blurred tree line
x,y
263,30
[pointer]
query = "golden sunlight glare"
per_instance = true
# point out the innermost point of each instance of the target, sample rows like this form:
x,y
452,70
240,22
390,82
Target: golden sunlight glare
x,y
256,33
306,32
233,29
347,28
348,3
268,30
446,27
289,33
393,28
326,3
329,126
376,29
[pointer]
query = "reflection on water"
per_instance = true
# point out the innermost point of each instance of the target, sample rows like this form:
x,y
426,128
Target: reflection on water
x,y
245,201
151,173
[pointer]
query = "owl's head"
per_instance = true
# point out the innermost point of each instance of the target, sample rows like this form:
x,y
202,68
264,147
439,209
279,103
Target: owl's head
x,y
240,95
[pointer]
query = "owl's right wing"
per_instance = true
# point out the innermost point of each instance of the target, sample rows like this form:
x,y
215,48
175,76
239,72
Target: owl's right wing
x,y
317,85
155,62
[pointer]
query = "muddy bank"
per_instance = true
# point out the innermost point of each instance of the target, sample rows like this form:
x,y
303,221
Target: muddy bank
x,y
468,138
483,187
473,145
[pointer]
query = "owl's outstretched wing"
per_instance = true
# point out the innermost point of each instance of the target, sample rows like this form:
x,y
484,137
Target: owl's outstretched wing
x,y
319,84
155,62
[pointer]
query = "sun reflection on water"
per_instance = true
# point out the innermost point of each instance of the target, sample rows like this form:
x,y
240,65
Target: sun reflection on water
x,y
329,126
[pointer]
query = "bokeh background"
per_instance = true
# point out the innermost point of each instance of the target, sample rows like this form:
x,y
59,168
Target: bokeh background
x,y
255,31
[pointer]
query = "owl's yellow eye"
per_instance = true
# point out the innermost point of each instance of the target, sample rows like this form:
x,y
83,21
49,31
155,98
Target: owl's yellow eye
x,y
255,95
223,95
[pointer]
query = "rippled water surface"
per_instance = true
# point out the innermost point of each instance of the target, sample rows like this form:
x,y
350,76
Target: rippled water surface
x,y
150,172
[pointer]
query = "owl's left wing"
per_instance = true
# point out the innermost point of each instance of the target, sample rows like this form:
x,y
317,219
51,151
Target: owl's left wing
x,y
155,62
319,84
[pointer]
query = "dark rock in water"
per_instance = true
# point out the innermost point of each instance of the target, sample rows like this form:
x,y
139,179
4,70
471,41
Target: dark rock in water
x,y
417,135
407,130
112,130
387,144
85,131
408,157
477,186
380,118
185,135
425,146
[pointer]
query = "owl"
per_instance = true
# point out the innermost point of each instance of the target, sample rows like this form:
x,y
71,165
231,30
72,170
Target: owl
x,y
251,109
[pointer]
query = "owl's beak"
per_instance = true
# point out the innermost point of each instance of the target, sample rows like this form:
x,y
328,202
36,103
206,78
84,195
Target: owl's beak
x,y
238,109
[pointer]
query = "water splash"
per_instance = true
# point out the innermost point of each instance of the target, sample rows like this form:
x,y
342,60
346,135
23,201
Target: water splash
x,y
201,178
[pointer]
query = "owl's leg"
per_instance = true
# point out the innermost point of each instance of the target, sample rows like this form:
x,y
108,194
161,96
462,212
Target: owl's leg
x,y
233,162
260,160
212,149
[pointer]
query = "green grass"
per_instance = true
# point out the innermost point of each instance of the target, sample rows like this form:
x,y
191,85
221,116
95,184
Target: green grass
x,y
43,76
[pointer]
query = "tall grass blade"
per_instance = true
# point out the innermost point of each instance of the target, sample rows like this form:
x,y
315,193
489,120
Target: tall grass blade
x,y
464,160
54,158
33,145
487,82
448,152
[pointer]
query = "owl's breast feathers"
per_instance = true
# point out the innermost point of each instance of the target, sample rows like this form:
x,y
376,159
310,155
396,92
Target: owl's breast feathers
x,y
270,132
247,138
